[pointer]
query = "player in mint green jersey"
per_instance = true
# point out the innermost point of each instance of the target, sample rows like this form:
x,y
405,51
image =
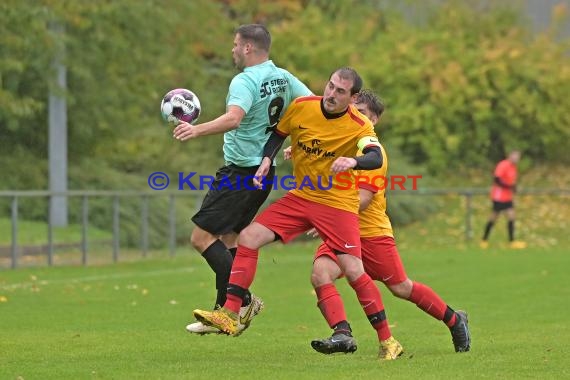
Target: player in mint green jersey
x,y
257,98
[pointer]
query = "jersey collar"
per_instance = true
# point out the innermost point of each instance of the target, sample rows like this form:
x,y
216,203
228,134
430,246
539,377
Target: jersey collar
x,y
331,115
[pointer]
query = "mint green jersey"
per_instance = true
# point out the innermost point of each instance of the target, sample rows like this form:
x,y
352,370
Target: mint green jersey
x,y
263,91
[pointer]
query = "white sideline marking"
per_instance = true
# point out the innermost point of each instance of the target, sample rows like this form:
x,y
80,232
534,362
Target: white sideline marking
x,y
24,285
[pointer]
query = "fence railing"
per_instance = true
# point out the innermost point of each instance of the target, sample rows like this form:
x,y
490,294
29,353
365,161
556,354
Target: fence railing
x,y
85,195
116,196
470,193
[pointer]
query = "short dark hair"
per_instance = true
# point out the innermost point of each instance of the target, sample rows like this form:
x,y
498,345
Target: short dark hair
x,y
256,34
374,103
349,74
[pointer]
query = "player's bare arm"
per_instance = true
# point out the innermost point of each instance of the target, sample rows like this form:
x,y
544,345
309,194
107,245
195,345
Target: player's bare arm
x,y
270,150
366,197
226,122
287,153
262,172
343,164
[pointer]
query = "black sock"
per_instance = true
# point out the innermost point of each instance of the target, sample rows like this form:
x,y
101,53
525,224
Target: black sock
x,y
511,226
488,228
343,327
220,260
449,312
240,292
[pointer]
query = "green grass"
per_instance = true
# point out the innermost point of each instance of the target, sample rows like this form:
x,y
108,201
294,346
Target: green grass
x,y
126,321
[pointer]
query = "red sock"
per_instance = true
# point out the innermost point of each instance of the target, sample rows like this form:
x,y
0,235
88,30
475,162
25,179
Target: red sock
x,y
426,299
231,301
242,274
330,304
371,301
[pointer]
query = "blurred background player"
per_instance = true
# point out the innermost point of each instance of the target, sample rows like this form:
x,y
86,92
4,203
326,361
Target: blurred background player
x,y
502,194
257,97
381,261
326,134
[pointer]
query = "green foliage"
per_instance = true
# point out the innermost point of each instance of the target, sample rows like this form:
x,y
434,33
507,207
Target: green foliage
x,y
23,171
461,88
121,58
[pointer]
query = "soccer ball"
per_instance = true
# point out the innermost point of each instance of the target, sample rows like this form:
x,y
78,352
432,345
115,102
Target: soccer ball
x,y
179,105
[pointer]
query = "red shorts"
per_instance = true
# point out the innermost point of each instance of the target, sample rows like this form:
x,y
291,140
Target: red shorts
x,y
290,216
380,258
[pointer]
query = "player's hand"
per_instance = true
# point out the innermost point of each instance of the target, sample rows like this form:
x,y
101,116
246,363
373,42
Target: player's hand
x,y
287,153
185,131
262,172
342,164
313,233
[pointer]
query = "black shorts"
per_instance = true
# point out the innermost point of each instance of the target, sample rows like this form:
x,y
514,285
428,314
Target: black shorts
x,y
232,202
501,206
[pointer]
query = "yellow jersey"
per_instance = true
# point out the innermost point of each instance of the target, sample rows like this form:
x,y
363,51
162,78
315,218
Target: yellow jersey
x,y
318,140
373,220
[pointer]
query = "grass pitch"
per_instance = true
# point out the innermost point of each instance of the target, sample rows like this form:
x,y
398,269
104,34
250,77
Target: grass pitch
x,y
126,321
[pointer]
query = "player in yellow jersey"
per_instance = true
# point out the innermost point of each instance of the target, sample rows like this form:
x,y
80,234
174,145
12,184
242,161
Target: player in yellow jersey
x,y
326,132
381,260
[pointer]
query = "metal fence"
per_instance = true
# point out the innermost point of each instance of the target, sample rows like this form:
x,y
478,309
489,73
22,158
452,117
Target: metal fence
x,y
15,196
85,195
470,193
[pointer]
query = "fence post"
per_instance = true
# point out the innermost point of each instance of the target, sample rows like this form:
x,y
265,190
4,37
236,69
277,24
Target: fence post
x,y
115,228
14,232
84,222
50,233
468,214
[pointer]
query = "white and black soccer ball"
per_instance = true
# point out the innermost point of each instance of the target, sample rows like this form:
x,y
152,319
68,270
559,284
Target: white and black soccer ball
x,y
179,105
